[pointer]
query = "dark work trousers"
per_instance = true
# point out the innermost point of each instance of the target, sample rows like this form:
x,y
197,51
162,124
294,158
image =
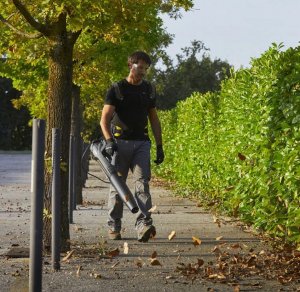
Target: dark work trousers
x,y
133,155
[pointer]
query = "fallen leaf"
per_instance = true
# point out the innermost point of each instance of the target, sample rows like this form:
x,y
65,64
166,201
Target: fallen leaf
x,y
77,228
139,262
216,249
169,277
154,255
200,262
152,209
97,276
236,245
219,238
155,262
126,248
172,235
241,156
113,253
115,264
69,254
217,221
236,288
78,271
196,240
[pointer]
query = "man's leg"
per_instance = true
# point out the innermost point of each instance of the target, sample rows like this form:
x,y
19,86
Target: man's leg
x,y
121,161
142,174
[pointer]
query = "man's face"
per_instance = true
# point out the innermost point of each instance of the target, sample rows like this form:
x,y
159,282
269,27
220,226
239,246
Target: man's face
x,y
139,70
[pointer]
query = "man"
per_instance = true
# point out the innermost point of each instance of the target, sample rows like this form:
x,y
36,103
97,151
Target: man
x,y
128,106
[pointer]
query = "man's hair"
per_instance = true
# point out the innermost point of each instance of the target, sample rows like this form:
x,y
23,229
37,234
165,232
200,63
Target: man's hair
x,y
139,55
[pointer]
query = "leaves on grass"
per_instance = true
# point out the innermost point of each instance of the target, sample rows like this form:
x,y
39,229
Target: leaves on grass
x,y
172,235
196,240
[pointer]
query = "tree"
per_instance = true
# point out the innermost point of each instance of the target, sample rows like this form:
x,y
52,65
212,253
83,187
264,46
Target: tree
x,y
45,32
192,73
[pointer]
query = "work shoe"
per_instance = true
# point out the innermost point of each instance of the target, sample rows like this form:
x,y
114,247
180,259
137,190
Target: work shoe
x,y
114,235
147,232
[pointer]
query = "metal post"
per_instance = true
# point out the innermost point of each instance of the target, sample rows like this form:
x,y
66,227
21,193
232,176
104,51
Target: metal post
x,y
56,199
37,200
74,172
71,184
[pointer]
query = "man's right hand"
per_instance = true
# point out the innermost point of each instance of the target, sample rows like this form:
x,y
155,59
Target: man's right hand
x,y
111,147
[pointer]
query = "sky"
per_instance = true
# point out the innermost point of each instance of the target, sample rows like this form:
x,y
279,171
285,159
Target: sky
x,y
236,30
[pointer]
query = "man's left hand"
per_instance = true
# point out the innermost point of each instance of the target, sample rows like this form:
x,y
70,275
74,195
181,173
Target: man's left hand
x,y
160,156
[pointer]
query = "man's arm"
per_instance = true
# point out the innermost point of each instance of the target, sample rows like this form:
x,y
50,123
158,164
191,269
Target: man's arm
x,y
155,125
107,113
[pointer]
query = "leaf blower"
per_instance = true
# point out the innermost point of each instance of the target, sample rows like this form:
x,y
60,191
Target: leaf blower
x,y
98,150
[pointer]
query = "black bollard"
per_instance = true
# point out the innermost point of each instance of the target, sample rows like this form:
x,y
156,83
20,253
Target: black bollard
x,y
56,199
37,202
71,178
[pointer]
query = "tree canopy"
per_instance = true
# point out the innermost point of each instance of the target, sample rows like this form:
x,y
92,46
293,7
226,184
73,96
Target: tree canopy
x,y
49,45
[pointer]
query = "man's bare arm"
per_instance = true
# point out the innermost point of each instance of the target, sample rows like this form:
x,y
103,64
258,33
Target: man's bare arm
x,y
155,125
107,113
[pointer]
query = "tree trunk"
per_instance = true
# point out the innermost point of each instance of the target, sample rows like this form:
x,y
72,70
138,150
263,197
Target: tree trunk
x,y
59,116
76,127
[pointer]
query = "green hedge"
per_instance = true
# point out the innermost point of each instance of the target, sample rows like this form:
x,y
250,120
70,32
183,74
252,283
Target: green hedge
x,y
240,147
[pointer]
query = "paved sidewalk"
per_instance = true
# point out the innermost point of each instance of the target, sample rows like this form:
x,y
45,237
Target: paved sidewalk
x,y
87,270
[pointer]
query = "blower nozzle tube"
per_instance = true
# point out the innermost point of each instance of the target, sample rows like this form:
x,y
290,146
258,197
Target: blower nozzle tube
x,y
98,150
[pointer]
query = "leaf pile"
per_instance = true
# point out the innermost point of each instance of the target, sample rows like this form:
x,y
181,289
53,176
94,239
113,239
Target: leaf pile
x,y
233,267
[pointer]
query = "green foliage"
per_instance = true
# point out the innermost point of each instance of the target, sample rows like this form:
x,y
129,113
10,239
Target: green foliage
x,y
240,148
109,32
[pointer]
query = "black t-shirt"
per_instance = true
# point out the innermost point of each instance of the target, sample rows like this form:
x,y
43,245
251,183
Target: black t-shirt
x,y
132,108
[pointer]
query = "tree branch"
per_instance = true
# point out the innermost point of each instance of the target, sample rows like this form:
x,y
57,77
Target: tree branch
x,y
21,33
23,10
75,35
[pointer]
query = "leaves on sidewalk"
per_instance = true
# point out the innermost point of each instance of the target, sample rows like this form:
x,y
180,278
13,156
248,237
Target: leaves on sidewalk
x,y
114,252
172,235
68,256
231,266
196,240
79,268
126,248
217,221
154,255
155,262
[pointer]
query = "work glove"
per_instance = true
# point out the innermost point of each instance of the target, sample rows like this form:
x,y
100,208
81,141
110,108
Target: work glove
x,y
160,156
111,147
